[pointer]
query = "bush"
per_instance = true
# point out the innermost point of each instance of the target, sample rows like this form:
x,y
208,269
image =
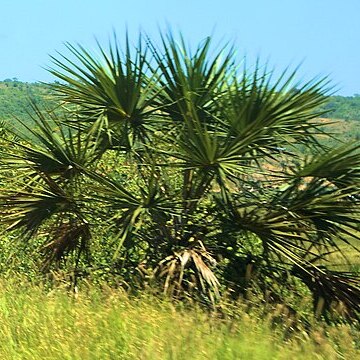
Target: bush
x,y
174,169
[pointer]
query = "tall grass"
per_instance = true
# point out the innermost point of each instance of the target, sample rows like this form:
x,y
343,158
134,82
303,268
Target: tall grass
x,y
107,324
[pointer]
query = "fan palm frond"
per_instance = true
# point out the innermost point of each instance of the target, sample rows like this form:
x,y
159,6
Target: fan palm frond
x,y
189,79
67,237
46,146
114,93
340,166
332,289
281,111
28,209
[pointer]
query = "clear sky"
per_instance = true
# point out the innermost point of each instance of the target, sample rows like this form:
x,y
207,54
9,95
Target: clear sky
x,y
323,34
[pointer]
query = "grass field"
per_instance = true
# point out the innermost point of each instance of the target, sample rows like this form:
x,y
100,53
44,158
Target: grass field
x,y
106,324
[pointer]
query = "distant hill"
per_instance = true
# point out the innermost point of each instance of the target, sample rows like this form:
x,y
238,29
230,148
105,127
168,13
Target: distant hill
x,y
344,114
345,131
14,98
343,107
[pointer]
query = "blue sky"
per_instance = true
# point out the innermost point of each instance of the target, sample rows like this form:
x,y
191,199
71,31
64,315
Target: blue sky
x,y
322,34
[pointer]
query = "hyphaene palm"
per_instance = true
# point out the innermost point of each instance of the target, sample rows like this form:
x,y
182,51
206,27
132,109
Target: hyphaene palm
x,y
178,157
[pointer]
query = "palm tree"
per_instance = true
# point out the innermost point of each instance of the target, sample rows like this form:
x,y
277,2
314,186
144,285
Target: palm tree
x,y
178,156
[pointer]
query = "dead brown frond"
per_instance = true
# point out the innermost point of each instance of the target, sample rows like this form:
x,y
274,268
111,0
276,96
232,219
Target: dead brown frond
x,y
334,292
188,270
67,237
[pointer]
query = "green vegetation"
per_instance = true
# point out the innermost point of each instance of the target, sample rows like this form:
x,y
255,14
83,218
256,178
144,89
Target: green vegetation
x,y
163,170
109,325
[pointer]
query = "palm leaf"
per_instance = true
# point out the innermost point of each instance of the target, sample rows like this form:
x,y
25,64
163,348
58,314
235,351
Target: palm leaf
x,y
46,146
115,86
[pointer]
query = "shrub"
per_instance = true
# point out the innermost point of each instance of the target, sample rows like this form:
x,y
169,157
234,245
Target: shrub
x,y
172,167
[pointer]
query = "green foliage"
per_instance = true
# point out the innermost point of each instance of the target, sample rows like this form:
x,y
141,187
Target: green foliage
x,y
175,169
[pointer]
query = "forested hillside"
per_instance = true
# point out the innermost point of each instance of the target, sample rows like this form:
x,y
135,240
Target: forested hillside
x,y
340,107
15,95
